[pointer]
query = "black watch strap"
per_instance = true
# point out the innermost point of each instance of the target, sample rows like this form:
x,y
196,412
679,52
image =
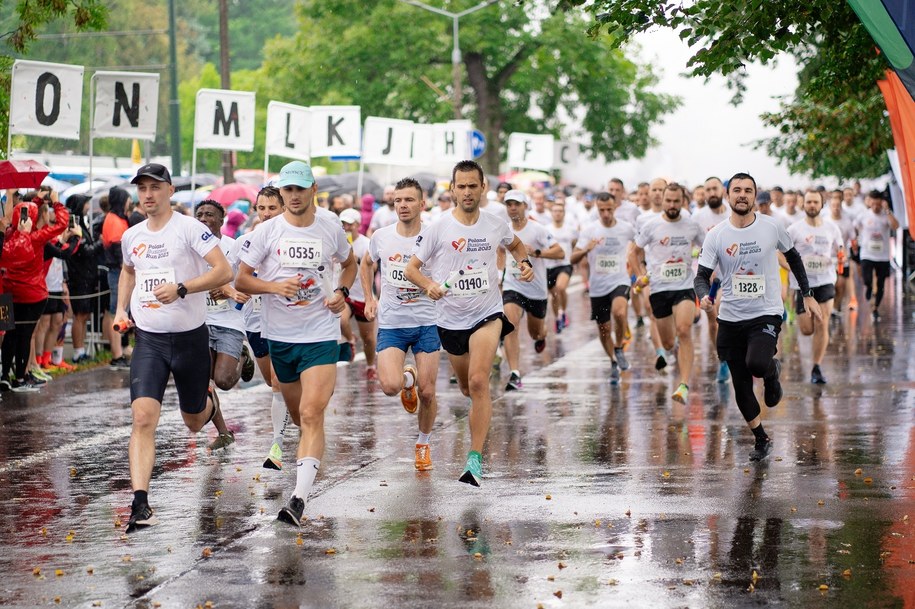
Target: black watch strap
x,y
343,290
182,290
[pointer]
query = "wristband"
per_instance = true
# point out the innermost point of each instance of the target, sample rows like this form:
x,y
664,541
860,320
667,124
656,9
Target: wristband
x,y
527,262
343,290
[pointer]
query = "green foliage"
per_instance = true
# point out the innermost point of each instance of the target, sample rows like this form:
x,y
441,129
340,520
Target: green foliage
x,y
524,69
834,125
22,24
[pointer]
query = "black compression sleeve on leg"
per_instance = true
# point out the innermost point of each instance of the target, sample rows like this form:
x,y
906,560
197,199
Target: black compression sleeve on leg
x,y
702,284
793,258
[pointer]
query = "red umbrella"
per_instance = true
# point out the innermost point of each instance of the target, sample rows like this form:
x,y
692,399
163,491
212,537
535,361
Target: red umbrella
x,y
22,174
230,193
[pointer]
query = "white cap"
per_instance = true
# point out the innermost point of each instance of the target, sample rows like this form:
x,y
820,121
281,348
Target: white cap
x,y
515,195
350,216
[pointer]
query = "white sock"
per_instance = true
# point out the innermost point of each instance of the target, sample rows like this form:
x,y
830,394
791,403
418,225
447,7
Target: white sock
x,y
408,379
279,415
57,355
81,351
306,469
423,438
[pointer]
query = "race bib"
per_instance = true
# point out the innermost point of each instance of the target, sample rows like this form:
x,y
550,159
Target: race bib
x,y
300,253
748,286
672,271
397,276
215,305
256,303
875,246
607,265
149,279
472,283
814,265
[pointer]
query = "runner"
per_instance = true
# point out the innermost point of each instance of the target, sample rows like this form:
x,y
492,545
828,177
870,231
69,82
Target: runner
x,y
844,280
875,227
750,318
559,271
461,252
294,255
163,281
666,246
520,297
605,244
355,303
406,318
230,359
819,243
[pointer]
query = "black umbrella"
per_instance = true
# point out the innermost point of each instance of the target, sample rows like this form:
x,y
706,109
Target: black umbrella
x,y
348,183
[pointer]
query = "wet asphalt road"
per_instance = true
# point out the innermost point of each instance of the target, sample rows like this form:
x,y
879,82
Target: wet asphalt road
x,y
593,495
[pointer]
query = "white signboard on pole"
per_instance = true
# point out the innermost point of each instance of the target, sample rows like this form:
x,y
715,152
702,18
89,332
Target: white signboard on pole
x,y
224,120
46,99
565,154
421,145
126,105
530,151
289,131
336,130
451,141
387,140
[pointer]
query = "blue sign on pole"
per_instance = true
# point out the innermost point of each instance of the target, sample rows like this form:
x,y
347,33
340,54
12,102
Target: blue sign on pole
x,y
477,144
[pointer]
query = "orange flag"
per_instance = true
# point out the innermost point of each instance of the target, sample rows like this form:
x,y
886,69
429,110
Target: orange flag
x,y
901,109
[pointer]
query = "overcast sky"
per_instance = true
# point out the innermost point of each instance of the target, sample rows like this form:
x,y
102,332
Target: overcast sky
x,y
706,135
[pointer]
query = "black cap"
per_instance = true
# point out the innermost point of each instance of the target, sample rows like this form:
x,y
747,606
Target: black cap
x,y
154,171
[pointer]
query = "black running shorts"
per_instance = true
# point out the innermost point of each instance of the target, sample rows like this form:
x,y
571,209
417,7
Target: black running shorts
x,y
184,355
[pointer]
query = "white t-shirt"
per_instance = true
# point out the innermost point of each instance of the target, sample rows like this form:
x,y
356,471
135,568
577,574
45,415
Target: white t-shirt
x,y
607,261
496,209
585,216
669,252
565,235
790,218
222,312
173,254
750,283
541,217
54,280
818,247
645,217
360,249
627,212
539,238
855,210
279,250
401,303
383,216
449,246
708,219
874,233
846,226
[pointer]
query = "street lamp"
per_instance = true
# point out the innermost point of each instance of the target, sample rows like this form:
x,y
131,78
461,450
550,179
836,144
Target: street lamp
x,y
456,52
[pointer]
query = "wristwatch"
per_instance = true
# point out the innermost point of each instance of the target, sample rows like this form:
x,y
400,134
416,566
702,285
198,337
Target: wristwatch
x,y
527,262
182,290
808,293
343,290
537,253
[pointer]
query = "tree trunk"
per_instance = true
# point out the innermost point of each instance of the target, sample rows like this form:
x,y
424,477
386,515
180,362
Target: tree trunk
x,y
489,117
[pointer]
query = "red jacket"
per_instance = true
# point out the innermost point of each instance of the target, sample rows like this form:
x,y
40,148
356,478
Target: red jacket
x,y
23,258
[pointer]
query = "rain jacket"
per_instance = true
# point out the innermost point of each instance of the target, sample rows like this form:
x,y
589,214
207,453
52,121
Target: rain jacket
x,y
23,255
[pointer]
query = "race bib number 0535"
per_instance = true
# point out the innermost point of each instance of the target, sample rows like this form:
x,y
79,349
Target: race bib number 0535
x,y
300,253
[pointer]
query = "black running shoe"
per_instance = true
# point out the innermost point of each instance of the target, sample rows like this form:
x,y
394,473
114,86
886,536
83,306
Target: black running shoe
x,y
514,382
247,364
660,363
141,516
773,392
292,511
761,450
540,345
816,376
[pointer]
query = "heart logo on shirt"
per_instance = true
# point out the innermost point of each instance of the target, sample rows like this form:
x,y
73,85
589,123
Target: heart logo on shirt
x,y
396,258
459,244
665,240
732,250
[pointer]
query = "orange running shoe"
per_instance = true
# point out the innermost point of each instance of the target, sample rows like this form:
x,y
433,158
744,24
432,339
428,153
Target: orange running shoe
x,y
410,397
423,460
64,365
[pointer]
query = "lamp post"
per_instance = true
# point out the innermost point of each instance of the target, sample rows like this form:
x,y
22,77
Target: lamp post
x,y
456,51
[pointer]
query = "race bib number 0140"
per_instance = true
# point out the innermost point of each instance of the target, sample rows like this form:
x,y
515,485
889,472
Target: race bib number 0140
x,y
300,253
472,283
149,279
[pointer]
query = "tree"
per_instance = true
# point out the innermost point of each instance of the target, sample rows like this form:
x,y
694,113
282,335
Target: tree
x,y
835,124
20,27
527,70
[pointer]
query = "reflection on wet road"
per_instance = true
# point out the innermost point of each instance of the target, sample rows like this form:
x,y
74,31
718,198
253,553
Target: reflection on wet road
x,y
593,495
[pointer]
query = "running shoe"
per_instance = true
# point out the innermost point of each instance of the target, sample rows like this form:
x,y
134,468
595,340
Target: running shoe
x,y
85,357
141,516
621,358
25,386
660,363
119,363
223,440
423,458
40,381
875,316
247,364
540,345
565,320
453,380
473,470
761,450
274,458
640,322
724,373
371,373
816,376
292,511
65,366
514,382
39,376
773,386
409,397
681,394
558,326
614,374
6,385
